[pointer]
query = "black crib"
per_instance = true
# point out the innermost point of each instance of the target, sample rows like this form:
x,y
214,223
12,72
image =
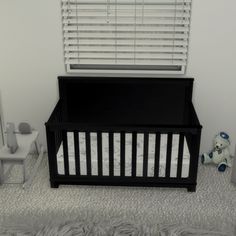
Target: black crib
x,y
124,105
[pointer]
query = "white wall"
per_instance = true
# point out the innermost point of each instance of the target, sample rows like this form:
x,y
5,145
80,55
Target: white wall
x,y
31,57
212,63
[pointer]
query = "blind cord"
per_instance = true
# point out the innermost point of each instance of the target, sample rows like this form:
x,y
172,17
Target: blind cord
x,y
77,23
116,31
135,18
174,32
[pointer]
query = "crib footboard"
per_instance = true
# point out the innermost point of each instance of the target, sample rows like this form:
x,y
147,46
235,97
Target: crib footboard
x,y
127,157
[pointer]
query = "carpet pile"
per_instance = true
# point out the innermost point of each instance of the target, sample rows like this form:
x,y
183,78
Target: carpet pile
x,y
113,227
140,210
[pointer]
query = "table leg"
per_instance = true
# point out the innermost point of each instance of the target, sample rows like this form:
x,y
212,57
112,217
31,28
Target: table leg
x,y
35,169
36,147
24,171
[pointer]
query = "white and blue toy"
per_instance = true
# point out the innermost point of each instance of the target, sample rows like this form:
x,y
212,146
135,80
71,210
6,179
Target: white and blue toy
x,y
220,154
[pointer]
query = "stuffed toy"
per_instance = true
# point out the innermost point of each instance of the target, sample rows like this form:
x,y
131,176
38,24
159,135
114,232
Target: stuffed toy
x,y
220,154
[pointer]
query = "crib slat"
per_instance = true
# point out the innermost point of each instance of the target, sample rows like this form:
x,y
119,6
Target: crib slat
x,y
134,154
77,156
180,156
111,154
65,152
88,153
145,155
99,143
122,154
157,155
168,154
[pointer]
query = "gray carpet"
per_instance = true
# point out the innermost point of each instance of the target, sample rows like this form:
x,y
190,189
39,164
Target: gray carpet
x,y
212,207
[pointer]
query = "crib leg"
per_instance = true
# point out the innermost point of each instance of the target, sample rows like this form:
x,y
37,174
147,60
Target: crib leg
x,y
54,184
191,188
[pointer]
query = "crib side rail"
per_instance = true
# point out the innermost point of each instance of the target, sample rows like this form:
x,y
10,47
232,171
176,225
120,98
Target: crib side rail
x,y
134,177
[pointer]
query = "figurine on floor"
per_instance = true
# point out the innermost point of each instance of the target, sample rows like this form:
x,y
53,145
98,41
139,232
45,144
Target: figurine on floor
x,y
220,154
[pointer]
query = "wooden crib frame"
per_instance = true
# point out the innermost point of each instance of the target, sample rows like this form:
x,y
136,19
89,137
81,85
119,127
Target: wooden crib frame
x,y
124,105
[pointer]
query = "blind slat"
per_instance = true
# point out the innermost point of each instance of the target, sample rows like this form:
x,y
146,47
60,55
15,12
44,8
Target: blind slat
x,y
148,35
138,29
152,15
112,23
143,49
127,55
122,42
98,8
104,2
126,61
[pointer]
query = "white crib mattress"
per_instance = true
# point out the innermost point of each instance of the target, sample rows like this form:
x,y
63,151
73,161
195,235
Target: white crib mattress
x,y
128,155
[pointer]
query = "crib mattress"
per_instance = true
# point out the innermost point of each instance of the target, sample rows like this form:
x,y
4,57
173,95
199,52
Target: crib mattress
x,y
128,155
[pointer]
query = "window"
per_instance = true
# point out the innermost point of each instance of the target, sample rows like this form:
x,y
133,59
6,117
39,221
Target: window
x,y
126,35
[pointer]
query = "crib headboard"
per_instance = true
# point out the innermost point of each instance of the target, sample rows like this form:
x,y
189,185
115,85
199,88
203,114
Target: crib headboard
x,y
129,100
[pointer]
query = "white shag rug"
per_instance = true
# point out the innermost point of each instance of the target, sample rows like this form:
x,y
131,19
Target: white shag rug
x,y
104,210
114,227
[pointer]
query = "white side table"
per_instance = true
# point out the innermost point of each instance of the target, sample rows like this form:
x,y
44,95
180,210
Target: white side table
x,y
25,142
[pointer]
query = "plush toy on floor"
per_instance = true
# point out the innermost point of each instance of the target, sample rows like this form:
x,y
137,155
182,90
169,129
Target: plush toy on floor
x,y
220,154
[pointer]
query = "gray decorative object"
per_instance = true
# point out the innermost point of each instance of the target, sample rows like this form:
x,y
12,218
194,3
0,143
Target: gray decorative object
x,y
11,138
1,125
233,175
1,133
24,128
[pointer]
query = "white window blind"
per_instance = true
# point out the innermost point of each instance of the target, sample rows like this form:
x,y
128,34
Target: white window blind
x,y
147,35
